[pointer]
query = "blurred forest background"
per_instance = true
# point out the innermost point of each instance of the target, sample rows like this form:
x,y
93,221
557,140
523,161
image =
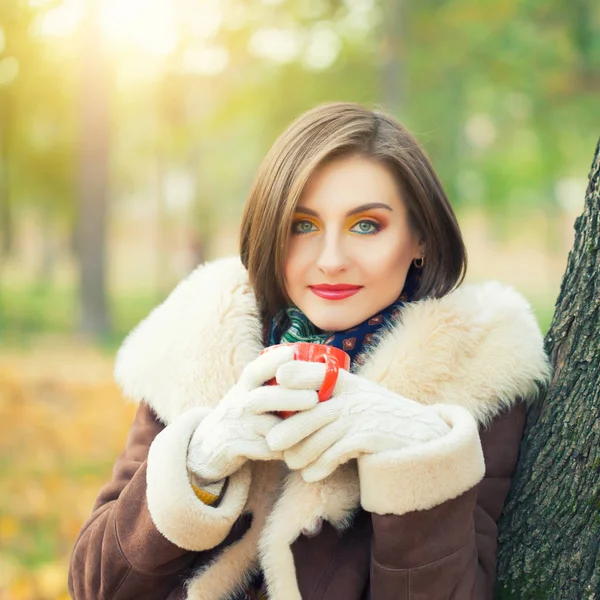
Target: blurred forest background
x,y
130,131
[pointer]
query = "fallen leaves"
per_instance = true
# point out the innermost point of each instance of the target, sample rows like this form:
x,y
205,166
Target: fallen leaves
x,y
62,424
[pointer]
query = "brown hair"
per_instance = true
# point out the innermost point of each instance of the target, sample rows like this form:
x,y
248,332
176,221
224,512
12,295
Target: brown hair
x,y
331,131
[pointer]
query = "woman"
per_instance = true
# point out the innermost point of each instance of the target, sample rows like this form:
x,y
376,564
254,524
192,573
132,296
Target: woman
x,y
389,490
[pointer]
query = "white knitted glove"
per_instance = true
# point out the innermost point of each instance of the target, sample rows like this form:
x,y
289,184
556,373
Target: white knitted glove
x,y
234,431
362,417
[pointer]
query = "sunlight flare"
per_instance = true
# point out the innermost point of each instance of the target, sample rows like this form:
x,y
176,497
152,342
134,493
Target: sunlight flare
x,y
150,25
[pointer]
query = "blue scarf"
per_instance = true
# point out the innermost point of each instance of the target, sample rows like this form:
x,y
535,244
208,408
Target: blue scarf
x,y
292,325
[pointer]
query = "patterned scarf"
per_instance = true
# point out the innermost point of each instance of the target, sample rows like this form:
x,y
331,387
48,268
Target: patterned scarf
x,y
291,325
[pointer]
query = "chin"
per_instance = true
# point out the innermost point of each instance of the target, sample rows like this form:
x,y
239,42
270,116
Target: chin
x,y
332,322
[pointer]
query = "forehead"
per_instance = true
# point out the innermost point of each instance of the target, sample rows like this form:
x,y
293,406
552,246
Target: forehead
x,y
350,181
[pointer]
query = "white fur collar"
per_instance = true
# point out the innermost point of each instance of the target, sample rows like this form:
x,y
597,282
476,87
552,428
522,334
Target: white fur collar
x,y
479,347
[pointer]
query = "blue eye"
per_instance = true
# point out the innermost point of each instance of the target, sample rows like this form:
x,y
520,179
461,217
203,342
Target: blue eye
x,y
366,227
303,226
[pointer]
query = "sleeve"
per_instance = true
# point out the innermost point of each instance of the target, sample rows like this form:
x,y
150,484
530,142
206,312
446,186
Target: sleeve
x,y
447,551
133,544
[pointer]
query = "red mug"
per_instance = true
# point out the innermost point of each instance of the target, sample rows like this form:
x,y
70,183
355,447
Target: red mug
x,y
334,359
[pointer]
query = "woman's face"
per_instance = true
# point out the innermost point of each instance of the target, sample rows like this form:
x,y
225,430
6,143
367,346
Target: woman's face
x,y
351,245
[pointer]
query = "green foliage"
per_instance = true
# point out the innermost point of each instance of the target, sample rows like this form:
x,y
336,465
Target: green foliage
x,y
530,66
37,117
503,95
29,311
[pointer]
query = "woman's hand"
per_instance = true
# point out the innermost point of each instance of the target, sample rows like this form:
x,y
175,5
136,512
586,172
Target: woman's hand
x,y
234,431
360,418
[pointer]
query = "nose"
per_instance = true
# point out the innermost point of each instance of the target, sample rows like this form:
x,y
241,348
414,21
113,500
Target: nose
x,y
333,257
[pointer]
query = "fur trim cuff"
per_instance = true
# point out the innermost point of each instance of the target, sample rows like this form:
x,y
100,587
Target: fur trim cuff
x,y
423,476
176,511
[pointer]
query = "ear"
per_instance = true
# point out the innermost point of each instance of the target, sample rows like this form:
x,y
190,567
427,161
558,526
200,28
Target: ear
x,y
421,249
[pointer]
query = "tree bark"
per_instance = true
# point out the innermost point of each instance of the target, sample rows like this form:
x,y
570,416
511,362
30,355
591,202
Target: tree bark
x,y
393,84
550,530
93,179
6,216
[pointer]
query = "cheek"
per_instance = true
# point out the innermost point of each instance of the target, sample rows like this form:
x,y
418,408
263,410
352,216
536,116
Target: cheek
x,y
300,254
391,258
294,265
290,262
288,274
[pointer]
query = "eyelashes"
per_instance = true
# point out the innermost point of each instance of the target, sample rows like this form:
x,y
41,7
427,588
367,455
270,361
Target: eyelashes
x,y
366,227
360,227
303,226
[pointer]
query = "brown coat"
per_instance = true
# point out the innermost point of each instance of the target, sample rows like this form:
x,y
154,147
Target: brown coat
x,y
447,552
407,525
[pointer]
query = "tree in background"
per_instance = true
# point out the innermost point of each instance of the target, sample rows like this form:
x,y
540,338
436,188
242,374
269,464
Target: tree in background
x,y
550,530
93,177
13,33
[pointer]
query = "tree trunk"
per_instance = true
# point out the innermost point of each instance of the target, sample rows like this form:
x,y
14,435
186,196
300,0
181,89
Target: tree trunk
x,y
393,85
550,530
48,255
93,179
6,217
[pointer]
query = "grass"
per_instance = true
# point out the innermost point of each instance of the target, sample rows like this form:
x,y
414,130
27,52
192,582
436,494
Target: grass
x,y
28,312
543,309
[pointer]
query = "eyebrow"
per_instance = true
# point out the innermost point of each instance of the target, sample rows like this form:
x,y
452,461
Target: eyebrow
x,y
354,211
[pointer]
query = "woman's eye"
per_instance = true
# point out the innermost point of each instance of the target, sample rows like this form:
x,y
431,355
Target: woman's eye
x,y
303,226
365,226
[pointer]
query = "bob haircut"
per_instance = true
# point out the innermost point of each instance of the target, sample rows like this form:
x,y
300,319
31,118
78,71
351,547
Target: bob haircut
x,y
326,133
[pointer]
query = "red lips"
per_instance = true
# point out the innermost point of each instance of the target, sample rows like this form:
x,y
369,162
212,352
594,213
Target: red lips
x,y
339,291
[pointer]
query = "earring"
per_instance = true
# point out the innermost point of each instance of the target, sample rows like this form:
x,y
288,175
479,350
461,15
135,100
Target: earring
x,y
419,262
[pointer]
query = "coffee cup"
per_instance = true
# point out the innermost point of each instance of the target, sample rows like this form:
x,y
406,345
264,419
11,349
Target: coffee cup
x,y
334,359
